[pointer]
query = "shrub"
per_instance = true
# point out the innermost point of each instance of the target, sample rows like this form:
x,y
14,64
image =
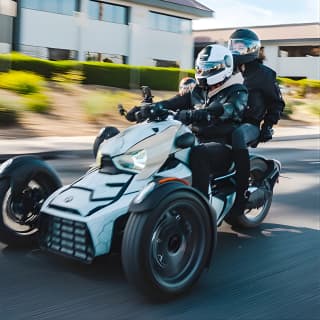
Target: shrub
x,y
100,103
8,114
288,109
21,82
71,76
37,102
315,109
302,87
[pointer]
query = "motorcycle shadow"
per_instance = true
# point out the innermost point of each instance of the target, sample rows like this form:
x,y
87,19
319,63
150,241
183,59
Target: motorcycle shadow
x,y
233,237
104,268
239,254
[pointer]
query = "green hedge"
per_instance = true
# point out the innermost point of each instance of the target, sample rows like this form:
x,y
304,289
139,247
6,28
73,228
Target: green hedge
x,y
45,68
8,114
309,83
99,73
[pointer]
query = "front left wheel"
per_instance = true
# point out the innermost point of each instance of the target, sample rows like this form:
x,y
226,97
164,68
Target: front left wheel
x,y
21,197
165,250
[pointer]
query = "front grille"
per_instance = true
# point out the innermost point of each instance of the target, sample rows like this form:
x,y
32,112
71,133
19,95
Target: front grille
x,y
66,237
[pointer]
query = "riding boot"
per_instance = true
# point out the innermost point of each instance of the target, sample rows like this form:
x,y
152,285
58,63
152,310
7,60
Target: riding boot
x,y
242,166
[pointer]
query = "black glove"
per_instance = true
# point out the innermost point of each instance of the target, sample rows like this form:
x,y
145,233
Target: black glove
x,y
157,111
131,114
184,116
146,94
216,109
266,133
143,113
145,110
199,115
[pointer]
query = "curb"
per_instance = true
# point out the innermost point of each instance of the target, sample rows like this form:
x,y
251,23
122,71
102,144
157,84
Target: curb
x,y
299,137
50,155
74,153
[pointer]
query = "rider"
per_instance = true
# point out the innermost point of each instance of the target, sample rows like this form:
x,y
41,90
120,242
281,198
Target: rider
x,y
265,102
217,88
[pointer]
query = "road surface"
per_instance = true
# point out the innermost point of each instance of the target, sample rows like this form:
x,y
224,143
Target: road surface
x,y
268,273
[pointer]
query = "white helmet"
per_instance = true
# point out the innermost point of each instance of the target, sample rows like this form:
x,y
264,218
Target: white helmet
x,y
214,65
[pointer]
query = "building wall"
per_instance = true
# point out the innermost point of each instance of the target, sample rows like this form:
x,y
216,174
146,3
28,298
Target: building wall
x,y
306,67
45,29
7,12
140,44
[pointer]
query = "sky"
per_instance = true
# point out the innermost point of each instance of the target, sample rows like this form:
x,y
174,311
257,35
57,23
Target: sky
x,y
246,13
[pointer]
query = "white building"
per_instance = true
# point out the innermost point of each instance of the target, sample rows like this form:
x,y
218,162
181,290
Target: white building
x,y
292,50
138,32
8,10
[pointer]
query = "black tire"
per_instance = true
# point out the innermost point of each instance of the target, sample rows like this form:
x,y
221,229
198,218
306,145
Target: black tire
x,y
164,251
19,209
104,134
252,218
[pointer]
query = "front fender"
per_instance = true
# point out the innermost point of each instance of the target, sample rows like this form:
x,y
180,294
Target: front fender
x,y
273,168
150,197
22,168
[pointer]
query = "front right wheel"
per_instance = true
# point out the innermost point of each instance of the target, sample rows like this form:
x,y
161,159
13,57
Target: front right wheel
x,y
165,250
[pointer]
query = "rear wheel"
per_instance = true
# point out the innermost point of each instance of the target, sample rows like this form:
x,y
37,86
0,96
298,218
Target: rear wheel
x,y
261,190
164,251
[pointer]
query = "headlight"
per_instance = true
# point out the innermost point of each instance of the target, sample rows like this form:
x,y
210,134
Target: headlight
x,y
135,160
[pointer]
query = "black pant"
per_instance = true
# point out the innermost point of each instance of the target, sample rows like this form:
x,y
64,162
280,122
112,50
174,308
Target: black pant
x,y
240,139
243,135
208,158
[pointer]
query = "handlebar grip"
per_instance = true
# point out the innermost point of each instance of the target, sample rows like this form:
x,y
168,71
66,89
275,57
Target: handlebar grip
x,y
121,110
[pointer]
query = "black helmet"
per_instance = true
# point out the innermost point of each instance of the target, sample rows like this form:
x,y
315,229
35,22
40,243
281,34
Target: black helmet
x,y
244,45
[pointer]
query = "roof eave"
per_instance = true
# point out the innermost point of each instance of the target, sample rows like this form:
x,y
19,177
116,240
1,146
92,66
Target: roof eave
x,y
194,12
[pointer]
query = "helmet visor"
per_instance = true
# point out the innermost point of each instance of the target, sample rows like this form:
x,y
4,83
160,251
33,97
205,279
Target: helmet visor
x,y
206,68
244,46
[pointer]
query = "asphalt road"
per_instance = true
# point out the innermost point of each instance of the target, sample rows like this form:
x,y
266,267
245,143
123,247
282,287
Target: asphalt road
x,y
268,273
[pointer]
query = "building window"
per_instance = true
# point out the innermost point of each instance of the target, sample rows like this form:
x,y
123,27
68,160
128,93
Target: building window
x,y
105,57
66,7
163,22
103,11
299,51
49,53
166,63
61,54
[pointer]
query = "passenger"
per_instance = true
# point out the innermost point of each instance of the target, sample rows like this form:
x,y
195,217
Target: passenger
x,y
265,104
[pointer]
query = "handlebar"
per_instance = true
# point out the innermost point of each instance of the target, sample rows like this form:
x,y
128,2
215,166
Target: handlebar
x,y
151,111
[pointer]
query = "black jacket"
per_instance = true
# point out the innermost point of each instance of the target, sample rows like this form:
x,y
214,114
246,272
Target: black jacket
x,y
233,98
265,101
